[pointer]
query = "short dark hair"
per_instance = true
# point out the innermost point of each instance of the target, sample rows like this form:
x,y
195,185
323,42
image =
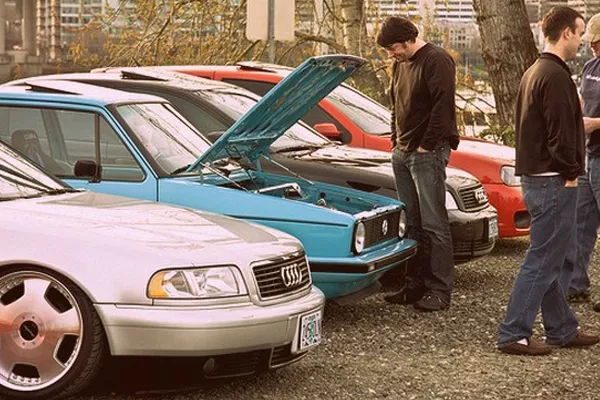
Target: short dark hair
x,y
396,30
557,19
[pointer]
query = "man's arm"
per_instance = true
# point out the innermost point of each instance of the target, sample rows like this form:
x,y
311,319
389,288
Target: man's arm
x,y
560,113
392,90
440,77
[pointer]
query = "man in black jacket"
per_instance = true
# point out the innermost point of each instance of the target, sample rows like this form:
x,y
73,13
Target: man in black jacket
x,y
550,157
423,131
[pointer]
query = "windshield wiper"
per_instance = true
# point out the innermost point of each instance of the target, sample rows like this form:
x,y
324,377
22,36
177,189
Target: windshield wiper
x,y
299,148
219,164
180,169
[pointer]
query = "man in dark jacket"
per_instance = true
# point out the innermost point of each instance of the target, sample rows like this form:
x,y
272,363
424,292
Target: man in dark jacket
x,y
550,157
423,131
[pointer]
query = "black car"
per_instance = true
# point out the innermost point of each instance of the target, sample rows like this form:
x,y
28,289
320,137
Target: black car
x,y
213,106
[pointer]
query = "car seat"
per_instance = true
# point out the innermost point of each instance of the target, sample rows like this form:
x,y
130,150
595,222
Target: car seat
x,y
26,141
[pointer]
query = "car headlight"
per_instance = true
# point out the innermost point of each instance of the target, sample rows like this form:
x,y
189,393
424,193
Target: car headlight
x,y
199,283
360,234
450,202
507,174
402,224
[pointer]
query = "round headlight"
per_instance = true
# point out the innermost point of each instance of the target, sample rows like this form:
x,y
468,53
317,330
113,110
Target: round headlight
x,y
402,224
359,237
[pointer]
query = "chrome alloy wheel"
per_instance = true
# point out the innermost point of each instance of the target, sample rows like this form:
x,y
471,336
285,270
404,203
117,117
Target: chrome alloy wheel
x,y
41,330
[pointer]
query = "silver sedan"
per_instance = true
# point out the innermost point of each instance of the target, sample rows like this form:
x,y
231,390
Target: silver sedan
x,y
84,276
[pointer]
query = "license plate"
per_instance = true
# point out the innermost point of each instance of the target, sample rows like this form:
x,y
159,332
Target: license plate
x,y
309,331
493,229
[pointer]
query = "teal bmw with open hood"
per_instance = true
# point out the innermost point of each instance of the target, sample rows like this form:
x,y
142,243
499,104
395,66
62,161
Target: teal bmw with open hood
x,y
139,146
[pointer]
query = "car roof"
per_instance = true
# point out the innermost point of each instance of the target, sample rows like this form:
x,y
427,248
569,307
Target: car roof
x,y
47,89
142,75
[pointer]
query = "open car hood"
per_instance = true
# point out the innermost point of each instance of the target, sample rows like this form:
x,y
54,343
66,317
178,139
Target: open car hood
x,y
281,108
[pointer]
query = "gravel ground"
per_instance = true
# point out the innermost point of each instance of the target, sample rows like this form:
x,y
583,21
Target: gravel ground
x,y
375,350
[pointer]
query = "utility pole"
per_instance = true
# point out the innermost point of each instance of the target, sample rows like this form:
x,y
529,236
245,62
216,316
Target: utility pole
x,y
271,31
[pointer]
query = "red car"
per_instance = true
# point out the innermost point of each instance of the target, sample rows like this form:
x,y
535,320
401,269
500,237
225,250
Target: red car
x,y
351,117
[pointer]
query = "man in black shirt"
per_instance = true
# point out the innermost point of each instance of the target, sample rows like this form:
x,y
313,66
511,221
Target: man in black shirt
x,y
423,130
550,157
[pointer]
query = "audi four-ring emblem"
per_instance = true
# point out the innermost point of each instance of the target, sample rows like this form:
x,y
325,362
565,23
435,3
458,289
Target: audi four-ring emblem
x,y
291,275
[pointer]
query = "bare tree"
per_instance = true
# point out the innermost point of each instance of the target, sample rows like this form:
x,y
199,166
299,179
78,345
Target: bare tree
x,y
508,49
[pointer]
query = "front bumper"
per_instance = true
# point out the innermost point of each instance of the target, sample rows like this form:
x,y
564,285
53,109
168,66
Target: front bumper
x,y
513,217
471,237
204,331
338,277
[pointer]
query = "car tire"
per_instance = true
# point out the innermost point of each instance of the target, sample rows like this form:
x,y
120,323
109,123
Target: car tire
x,y
52,342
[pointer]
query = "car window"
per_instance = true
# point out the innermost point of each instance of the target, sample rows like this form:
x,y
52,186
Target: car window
x,y
315,115
235,105
20,178
15,120
165,136
27,130
78,129
202,119
256,87
370,116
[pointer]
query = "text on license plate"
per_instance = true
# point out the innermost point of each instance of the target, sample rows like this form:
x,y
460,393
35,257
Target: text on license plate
x,y
493,229
310,330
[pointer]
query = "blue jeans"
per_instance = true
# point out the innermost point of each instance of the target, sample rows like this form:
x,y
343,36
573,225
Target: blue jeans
x,y
420,183
551,255
588,222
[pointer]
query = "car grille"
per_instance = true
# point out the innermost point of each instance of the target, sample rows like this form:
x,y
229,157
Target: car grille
x,y
465,249
251,362
374,227
277,277
473,197
282,355
237,364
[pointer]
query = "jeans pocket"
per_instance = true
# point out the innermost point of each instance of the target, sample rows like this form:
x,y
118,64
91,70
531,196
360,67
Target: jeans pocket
x,y
533,197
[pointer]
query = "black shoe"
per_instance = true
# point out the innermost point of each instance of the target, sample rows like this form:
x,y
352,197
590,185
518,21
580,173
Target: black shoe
x,y
406,295
582,296
597,307
431,303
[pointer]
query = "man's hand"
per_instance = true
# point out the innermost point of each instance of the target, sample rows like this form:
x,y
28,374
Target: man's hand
x,y
422,150
590,124
572,183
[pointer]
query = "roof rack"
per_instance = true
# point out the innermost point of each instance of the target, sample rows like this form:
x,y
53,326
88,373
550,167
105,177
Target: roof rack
x,y
145,75
260,66
46,87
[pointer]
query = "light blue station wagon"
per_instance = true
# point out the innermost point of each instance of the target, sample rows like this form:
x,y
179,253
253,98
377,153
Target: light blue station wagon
x,y
139,146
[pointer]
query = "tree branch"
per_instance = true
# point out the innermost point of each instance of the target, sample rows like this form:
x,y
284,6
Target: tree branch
x,y
320,39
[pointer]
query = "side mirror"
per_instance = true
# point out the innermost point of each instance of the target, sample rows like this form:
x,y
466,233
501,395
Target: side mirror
x,y
88,168
328,130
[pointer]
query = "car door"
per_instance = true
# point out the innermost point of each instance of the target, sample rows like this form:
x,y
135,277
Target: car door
x,y
56,138
92,136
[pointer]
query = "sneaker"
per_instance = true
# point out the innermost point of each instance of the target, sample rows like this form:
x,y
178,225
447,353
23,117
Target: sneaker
x,y
582,340
582,296
431,303
406,295
532,348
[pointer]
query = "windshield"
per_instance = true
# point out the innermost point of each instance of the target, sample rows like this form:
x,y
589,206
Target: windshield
x,y
164,135
370,116
235,105
20,179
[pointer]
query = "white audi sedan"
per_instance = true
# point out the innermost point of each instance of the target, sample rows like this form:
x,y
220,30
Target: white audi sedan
x,y
86,275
